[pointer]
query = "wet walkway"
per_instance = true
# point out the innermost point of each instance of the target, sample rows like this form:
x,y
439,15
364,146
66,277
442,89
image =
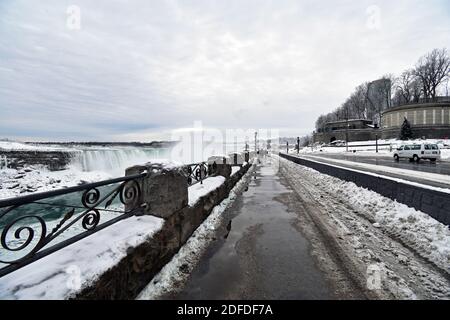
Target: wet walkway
x,y
260,253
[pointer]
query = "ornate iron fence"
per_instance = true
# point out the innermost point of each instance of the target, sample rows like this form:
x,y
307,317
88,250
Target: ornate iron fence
x,y
36,225
27,234
196,172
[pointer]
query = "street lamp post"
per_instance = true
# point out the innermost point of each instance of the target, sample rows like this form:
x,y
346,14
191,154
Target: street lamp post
x,y
346,136
376,143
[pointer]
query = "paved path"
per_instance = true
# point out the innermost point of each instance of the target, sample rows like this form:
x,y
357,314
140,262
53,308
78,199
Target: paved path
x,y
261,253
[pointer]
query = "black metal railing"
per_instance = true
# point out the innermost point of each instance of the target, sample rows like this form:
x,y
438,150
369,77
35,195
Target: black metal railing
x,y
196,172
36,225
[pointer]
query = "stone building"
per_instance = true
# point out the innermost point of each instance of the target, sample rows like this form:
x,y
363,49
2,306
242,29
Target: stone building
x,y
428,120
357,130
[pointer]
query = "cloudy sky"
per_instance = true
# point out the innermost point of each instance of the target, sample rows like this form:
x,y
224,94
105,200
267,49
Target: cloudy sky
x,y
135,70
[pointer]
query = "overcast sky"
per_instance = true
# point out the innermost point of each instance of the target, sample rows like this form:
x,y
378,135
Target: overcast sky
x,y
135,70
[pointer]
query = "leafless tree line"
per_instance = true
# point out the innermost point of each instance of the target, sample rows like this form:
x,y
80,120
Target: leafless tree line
x,y
423,82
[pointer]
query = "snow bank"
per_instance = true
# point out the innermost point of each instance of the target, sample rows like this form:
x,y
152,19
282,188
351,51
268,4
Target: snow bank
x,y
428,237
433,177
63,273
18,146
234,170
199,190
14,183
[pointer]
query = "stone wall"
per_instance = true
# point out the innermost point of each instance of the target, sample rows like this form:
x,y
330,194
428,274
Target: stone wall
x,y
429,120
353,135
434,203
430,132
128,278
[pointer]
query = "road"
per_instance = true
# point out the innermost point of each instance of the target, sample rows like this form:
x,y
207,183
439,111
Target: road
x,y
432,174
288,237
442,167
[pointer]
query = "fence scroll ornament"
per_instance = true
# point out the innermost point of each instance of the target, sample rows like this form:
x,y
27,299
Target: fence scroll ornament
x,y
27,234
196,172
31,233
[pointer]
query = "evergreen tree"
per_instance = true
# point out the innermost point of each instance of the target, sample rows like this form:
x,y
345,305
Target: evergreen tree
x,y
406,131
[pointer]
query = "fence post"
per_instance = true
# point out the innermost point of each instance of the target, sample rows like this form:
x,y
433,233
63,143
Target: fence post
x,y
163,191
376,143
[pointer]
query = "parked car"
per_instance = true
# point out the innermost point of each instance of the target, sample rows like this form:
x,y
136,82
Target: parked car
x,y
443,145
415,152
337,143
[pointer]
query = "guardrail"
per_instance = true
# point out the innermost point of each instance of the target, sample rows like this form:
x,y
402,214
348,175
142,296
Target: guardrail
x,y
28,234
36,225
196,172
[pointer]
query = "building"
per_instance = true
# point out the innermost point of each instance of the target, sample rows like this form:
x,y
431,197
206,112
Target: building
x,y
357,130
429,120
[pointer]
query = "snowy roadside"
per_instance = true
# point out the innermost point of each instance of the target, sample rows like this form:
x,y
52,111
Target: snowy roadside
x,y
179,268
409,247
428,236
433,177
367,148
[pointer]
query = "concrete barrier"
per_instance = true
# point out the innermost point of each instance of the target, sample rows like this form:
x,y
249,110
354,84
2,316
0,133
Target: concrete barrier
x,y
126,279
434,203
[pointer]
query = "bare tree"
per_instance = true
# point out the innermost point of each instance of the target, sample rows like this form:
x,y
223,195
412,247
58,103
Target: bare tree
x,y
416,90
405,85
369,100
432,70
320,122
358,102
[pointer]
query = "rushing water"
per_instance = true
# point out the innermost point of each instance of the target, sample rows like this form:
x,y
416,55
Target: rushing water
x,y
115,160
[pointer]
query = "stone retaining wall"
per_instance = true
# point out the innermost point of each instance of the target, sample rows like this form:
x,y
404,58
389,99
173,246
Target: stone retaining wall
x,y
434,203
128,278
353,135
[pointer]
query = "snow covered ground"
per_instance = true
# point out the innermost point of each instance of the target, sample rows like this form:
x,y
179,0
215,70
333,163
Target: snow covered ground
x,y
31,179
65,272
378,232
199,190
19,146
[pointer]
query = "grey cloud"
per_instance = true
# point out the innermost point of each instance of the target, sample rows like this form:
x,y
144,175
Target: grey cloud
x,y
139,67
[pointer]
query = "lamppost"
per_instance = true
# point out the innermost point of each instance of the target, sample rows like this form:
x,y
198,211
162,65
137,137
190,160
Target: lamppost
x,y
346,135
298,145
256,134
376,143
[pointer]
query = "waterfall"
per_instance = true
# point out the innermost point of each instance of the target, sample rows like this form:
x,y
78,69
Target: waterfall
x,y
115,160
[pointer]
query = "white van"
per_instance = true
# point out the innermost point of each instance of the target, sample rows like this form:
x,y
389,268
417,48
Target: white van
x,y
416,152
